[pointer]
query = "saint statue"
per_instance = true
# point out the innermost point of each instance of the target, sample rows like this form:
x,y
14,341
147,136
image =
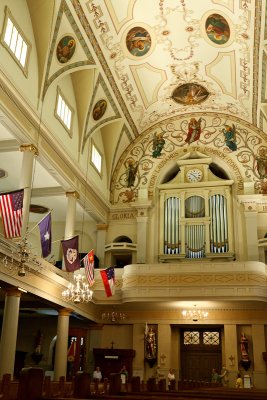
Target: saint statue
x,y
150,344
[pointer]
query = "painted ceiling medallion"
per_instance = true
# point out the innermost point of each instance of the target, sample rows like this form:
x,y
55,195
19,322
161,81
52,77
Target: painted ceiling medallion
x,y
190,93
217,29
65,49
138,41
99,109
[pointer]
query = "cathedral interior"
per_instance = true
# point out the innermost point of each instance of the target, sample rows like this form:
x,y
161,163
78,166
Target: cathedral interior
x,y
140,126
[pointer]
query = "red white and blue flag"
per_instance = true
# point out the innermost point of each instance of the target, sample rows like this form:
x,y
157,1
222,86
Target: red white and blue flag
x,y
108,278
11,205
89,262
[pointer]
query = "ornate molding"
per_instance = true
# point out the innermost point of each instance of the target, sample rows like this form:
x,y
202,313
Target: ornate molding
x,y
29,147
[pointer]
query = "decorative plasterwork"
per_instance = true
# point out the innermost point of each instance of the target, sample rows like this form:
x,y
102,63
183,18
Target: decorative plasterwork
x,y
241,163
227,81
74,62
225,3
112,113
210,279
81,15
121,15
156,77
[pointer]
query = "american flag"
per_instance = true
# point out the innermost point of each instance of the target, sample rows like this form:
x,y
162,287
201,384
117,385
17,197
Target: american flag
x,y
88,262
11,205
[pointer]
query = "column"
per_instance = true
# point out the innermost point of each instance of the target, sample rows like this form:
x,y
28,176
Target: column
x,y
62,343
251,216
230,352
141,230
71,214
138,345
9,332
101,242
259,346
164,350
29,151
250,220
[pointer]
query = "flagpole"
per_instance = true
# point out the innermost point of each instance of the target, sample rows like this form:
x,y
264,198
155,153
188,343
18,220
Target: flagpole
x,y
39,222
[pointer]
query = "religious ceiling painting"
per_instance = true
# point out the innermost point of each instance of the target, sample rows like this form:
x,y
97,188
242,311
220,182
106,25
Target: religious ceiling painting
x,y
194,130
190,93
138,41
65,49
99,109
230,136
217,29
239,145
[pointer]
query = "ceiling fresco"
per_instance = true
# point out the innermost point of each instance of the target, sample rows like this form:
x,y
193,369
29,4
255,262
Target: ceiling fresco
x,y
173,57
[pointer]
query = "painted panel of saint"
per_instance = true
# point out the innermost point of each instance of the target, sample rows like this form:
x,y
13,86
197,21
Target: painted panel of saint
x,y
138,41
190,93
99,109
65,49
217,29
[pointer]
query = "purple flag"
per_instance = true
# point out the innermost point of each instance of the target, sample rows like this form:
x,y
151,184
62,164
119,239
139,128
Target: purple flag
x,y
71,254
45,233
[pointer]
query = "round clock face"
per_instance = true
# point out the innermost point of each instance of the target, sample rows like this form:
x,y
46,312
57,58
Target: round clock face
x,y
194,175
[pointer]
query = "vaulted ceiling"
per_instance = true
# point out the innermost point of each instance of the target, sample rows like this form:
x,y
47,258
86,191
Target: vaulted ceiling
x,y
137,67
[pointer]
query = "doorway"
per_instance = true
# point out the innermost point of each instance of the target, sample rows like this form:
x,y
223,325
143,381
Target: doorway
x,y
201,351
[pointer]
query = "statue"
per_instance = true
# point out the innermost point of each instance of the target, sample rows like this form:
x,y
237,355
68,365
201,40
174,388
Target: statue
x,y
131,172
158,144
245,361
151,347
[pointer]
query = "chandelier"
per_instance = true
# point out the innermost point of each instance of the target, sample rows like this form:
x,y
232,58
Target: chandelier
x,y
195,314
78,292
18,257
113,316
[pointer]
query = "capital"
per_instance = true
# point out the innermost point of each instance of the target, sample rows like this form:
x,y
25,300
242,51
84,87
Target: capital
x,y
73,194
29,147
65,312
13,292
101,227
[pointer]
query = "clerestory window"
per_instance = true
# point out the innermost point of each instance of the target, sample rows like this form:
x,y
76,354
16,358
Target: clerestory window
x,y
15,41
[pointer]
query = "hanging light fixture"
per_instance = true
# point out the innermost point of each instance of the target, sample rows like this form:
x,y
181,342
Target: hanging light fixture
x,y
113,316
195,314
78,292
19,258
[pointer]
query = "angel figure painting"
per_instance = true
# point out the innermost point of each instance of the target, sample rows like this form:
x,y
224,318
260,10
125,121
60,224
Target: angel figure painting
x,y
261,164
158,144
230,136
194,130
131,172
